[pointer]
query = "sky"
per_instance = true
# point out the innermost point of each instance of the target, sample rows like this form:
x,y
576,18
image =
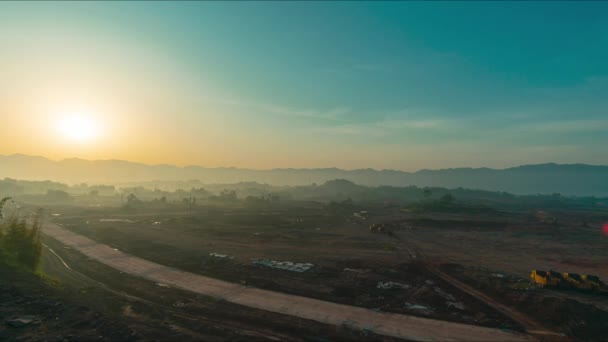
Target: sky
x,y
385,85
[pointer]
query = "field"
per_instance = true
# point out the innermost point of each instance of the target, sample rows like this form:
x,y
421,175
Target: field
x,y
383,271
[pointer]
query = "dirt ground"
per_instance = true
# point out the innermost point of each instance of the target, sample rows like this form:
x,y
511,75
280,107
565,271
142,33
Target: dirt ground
x,y
573,312
58,314
109,306
388,324
512,243
350,263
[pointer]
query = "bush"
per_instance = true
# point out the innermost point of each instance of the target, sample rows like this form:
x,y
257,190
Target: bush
x,y
20,243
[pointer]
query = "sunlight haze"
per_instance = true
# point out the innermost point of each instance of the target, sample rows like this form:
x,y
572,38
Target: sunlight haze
x,y
304,171
400,86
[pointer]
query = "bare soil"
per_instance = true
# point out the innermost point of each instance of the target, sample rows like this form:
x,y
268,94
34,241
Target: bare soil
x,y
558,310
350,261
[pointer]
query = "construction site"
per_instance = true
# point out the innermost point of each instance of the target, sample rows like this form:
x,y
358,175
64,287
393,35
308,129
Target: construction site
x,y
311,171
386,261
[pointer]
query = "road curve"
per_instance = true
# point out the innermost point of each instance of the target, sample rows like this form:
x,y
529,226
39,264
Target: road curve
x,y
389,324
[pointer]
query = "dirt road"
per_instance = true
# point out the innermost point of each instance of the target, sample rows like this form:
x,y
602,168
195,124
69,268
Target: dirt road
x,y
389,324
528,323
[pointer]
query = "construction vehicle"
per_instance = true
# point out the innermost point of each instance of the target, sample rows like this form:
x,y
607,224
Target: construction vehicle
x,y
593,280
566,280
576,281
544,278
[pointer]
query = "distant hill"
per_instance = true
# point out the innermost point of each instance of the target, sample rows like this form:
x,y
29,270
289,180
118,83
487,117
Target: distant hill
x,y
567,179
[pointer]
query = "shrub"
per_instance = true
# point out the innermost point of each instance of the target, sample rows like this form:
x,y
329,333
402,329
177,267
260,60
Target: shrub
x,y
20,243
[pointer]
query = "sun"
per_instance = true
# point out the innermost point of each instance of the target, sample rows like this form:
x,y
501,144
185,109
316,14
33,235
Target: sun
x,y
78,128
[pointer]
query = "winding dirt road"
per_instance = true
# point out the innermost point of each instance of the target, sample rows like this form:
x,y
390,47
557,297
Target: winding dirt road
x,y
389,324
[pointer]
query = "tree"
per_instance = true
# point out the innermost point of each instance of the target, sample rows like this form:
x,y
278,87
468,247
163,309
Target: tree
x,y
427,192
447,198
57,195
228,195
132,199
200,192
103,190
189,201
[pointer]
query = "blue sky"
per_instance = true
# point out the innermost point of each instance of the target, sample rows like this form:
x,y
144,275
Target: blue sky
x,y
358,84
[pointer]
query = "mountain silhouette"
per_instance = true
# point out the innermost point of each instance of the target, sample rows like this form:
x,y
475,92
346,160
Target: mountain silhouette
x,y
567,179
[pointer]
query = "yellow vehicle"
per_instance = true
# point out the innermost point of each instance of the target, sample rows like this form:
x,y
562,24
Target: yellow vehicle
x,y
567,280
544,278
593,281
576,281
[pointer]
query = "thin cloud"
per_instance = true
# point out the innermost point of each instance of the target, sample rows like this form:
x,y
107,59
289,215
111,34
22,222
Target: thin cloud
x,y
384,127
333,114
410,124
568,126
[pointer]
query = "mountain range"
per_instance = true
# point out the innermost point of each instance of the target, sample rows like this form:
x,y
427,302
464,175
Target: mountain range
x,y
567,179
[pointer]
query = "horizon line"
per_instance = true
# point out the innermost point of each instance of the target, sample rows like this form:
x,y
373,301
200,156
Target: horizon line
x,y
291,168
